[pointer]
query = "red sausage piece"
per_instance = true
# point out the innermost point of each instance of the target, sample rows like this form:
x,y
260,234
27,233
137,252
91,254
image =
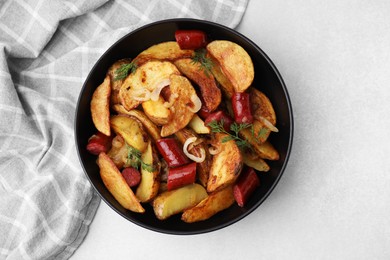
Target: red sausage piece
x,y
190,39
219,116
132,176
172,152
246,184
181,176
99,143
241,108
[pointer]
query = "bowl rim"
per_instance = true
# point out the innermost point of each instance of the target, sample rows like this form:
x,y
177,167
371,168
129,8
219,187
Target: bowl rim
x,y
290,115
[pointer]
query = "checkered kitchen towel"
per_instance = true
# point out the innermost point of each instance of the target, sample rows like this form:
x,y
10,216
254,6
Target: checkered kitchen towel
x,y
47,48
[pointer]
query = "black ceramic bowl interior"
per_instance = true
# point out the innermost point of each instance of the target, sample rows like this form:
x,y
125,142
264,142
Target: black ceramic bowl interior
x,y
267,79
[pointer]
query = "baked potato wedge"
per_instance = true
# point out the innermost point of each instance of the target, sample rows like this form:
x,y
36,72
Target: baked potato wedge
x,y
197,124
235,63
173,202
224,83
131,130
115,82
253,160
226,165
265,150
138,86
260,133
165,51
211,205
150,183
156,111
182,108
117,185
203,168
149,126
261,106
100,107
210,93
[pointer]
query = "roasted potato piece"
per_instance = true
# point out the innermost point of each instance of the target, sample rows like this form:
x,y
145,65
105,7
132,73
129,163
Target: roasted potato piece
x,y
149,126
168,51
224,83
183,106
197,124
235,63
203,168
253,160
214,203
260,133
265,150
210,93
115,82
117,185
100,107
131,130
172,202
138,85
226,165
150,183
262,109
156,111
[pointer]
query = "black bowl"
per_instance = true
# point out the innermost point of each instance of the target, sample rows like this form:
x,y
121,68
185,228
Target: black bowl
x,y
267,79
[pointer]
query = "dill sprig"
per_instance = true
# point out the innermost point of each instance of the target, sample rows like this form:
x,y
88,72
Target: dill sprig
x,y
205,63
124,70
235,128
134,159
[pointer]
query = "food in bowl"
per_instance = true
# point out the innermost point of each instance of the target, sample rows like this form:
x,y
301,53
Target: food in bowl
x,y
180,127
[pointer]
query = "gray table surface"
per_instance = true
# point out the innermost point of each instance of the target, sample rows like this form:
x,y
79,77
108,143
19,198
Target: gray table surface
x,y
333,201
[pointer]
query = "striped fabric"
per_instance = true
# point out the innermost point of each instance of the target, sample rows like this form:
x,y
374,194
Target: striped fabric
x,y
47,48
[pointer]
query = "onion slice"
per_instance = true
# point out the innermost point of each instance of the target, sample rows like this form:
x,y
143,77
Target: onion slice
x,y
197,104
191,156
156,92
213,150
268,124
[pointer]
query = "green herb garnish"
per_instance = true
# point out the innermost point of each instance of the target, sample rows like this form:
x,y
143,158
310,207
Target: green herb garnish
x,y
134,159
124,70
235,128
217,127
205,63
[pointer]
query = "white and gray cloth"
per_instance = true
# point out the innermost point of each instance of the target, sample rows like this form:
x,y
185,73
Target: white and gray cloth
x,y
47,48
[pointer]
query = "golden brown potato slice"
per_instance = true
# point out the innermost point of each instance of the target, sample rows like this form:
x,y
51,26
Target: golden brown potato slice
x,y
131,130
224,83
210,93
235,63
226,165
150,182
168,51
253,160
139,85
116,83
265,150
117,185
197,124
156,111
203,168
149,126
214,203
260,133
172,202
261,106
183,106
100,107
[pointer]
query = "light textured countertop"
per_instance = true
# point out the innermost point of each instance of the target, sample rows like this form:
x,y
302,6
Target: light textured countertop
x,y
333,201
